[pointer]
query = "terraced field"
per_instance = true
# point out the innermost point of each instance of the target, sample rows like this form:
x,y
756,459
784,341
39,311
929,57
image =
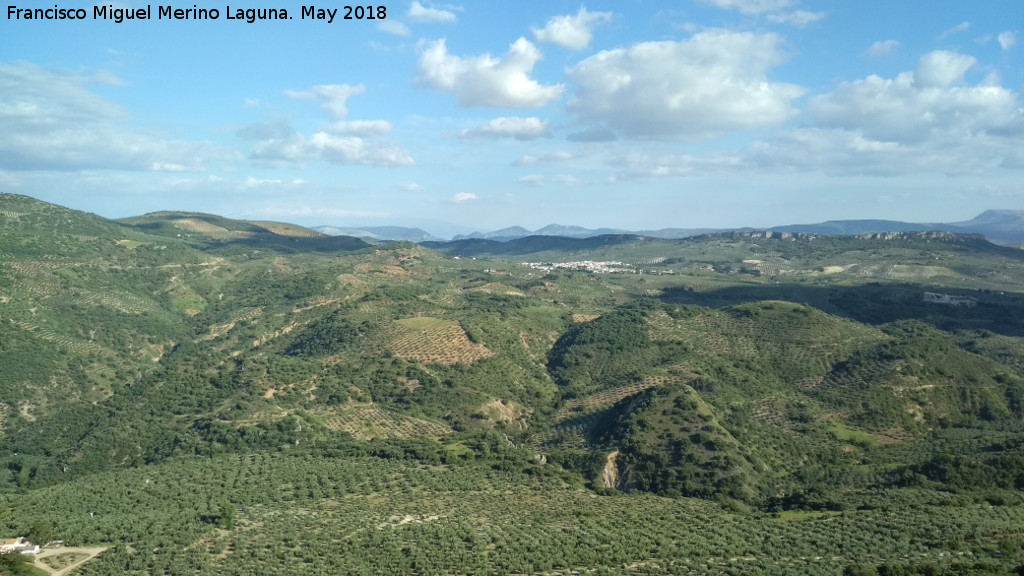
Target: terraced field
x,y
580,406
434,340
211,230
369,422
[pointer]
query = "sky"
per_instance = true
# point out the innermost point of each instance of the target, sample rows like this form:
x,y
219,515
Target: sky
x,y
633,114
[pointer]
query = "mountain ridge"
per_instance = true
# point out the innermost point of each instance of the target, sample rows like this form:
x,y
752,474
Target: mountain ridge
x,y
999,226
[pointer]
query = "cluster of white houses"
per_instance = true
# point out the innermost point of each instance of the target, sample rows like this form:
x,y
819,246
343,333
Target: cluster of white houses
x,y
18,545
591,266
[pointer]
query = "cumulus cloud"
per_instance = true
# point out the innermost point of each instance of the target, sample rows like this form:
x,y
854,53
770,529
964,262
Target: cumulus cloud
x,y
534,180
410,187
486,81
1007,40
926,121
339,142
420,13
353,150
882,48
572,32
52,121
714,82
348,150
798,18
518,128
462,197
929,120
942,68
930,102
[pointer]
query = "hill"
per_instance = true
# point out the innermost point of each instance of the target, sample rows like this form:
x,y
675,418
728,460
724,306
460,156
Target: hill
x,y
209,231
245,398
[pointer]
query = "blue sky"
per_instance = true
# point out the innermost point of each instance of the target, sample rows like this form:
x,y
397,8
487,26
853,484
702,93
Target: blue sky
x,y
480,115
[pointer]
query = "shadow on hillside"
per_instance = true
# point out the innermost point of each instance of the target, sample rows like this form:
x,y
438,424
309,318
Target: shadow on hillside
x,y
288,245
1002,313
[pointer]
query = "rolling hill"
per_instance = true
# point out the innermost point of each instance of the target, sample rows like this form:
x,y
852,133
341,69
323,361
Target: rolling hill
x,y
479,406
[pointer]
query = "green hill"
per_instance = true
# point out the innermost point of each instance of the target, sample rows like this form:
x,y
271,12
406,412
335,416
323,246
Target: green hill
x,y
799,395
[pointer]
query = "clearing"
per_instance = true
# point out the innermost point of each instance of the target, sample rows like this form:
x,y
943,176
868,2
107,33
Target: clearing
x,y
62,560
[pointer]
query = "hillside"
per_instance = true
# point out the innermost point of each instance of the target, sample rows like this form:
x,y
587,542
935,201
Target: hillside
x,y
206,395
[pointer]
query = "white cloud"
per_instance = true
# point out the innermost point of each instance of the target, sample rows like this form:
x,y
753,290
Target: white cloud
x,y
52,121
798,18
352,150
410,187
714,82
1007,40
339,142
643,166
932,102
531,180
882,47
391,26
360,128
420,13
572,32
518,128
958,29
751,6
942,68
295,148
461,197
484,80
848,152
550,157
333,98
252,182
926,121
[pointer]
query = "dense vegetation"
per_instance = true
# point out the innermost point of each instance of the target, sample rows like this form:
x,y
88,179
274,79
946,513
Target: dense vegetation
x,y
206,395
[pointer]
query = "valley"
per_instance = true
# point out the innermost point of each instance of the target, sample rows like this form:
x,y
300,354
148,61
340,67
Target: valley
x,y
728,403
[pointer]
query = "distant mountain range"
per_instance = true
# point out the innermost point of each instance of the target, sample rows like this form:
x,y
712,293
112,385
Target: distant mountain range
x,y
998,226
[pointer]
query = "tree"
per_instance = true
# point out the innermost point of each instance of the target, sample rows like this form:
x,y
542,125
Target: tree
x,y
40,532
227,515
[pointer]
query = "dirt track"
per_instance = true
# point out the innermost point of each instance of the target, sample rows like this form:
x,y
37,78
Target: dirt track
x,y
92,552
